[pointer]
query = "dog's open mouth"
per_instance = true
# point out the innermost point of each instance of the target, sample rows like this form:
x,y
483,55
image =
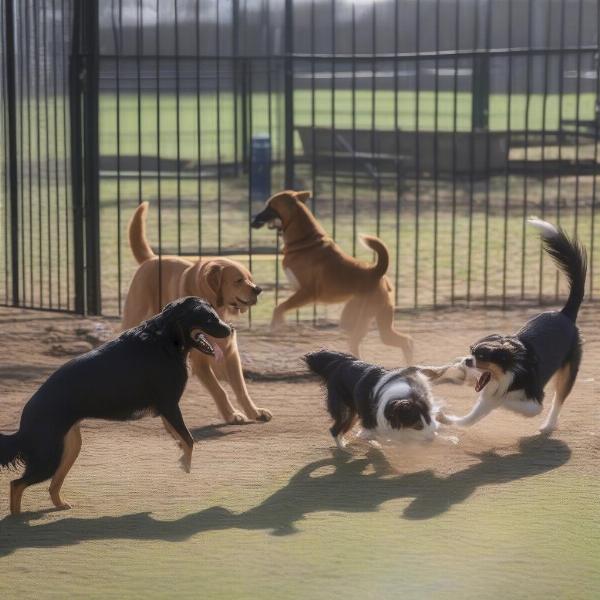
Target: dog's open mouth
x,y
483,380
201,343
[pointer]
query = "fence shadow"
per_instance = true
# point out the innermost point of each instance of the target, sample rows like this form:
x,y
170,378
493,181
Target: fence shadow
x,y
333,484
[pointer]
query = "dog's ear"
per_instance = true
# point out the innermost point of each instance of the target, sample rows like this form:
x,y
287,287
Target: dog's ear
x,y
211,280
303,196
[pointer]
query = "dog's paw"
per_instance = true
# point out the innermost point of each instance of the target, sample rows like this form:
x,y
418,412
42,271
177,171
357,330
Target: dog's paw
x,y
546,429
236,418
262,414
443,418
185,462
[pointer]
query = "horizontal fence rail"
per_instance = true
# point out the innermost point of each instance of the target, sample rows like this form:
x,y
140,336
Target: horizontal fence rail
x,y
439,126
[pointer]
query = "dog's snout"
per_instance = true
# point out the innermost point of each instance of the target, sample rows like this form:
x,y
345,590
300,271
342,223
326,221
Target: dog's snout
x,y
257,290
469,362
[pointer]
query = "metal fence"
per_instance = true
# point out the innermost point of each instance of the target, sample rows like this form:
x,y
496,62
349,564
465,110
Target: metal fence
x,y
439,126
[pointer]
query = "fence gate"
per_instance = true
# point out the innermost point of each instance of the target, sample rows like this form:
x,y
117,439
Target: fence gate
x,y
47,194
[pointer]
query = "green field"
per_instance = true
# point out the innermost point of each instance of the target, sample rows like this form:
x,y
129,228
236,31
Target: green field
x,y
534,112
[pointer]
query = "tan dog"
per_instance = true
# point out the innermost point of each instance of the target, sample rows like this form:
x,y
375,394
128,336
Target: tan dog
x,y
320,271
226,284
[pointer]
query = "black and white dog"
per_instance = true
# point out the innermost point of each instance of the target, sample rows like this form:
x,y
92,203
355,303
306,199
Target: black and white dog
x,y
395,405
515,368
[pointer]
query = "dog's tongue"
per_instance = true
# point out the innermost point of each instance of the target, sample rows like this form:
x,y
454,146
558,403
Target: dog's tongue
x,y
218,353
482,381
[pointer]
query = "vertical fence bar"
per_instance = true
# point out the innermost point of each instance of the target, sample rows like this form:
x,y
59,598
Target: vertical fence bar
x,y
561,71
218,64
118,40
5,166
507,168
399,163
177,123
91,159
46,68
289,92
75,114
158,153
526,118
56,179
417,154
436,93
373,122
333,134
487,173
139,49
11,108
30,146
353,118
454,153
313,141
595,162
577,110
38,145
544,128
472,131
66,149
198,129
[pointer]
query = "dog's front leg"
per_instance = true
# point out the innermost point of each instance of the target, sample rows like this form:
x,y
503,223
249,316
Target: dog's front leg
x,y
484,406
296,300
174,424
235,376
205,374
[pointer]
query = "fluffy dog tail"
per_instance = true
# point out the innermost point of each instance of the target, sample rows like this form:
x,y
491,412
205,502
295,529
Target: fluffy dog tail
x,y
10,451
570,257
322,362
379,269
137,235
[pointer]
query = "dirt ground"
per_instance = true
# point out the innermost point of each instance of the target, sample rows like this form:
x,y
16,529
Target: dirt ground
x,y
271,511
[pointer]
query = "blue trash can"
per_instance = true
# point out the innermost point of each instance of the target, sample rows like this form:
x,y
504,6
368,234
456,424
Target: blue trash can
x,y
260,167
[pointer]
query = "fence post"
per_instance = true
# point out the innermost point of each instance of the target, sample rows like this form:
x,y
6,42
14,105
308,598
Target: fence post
x,y
11,86
77,160
91,156
288,86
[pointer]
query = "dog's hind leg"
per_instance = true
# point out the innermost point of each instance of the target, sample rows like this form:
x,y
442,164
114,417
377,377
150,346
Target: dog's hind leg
x,y
355,319
41,464
173,421
343,415
563,384
389,336
71,449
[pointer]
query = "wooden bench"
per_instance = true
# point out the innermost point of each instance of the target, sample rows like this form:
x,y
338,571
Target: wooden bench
x,y
386,153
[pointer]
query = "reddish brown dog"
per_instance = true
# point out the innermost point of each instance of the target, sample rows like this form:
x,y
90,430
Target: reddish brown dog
x,y
226,284
320,271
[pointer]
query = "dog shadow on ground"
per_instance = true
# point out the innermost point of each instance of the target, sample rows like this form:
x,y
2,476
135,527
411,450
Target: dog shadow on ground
x,y
340,483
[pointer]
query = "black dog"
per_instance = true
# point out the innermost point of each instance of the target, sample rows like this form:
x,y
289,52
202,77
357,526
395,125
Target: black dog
x,y
391,405
515,368
141,372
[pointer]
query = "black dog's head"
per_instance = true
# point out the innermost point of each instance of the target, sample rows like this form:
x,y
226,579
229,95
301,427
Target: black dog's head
x,y
496,356
189,319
